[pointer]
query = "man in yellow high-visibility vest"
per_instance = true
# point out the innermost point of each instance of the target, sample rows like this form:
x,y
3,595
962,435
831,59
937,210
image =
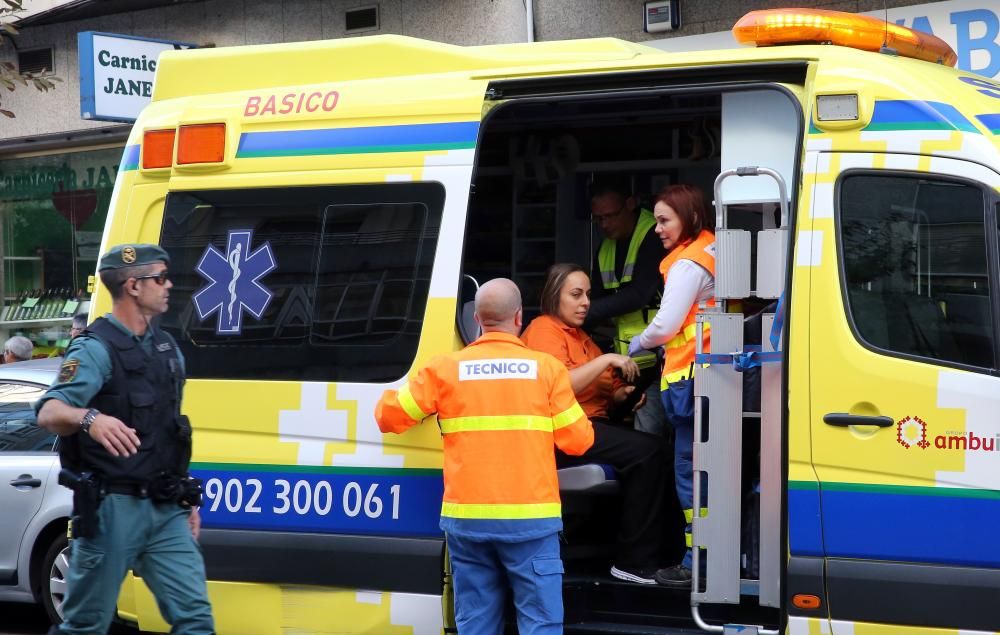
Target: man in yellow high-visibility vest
x,y
626,283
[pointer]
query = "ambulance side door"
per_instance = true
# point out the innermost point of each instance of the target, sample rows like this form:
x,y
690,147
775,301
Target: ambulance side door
x,y
905,396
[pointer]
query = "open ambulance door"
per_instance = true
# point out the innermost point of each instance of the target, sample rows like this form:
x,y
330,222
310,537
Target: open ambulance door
x,y
619,123
903,355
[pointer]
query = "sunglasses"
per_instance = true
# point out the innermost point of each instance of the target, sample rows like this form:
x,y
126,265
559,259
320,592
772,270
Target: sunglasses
x,y
161,278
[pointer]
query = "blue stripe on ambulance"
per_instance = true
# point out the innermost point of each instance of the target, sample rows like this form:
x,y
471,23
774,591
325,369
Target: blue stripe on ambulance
x,y
805,531
359,501
992,122
368,139
896,523
918,115
130,159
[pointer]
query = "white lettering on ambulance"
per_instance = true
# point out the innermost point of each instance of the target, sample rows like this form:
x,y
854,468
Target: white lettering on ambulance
x,y
498,369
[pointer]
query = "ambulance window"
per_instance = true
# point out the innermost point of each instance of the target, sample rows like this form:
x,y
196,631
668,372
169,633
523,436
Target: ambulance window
x,y
310,283
915,263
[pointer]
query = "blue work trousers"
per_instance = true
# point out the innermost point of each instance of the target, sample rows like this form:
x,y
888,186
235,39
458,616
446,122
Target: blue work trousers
x,y
482,571
154,540
678,407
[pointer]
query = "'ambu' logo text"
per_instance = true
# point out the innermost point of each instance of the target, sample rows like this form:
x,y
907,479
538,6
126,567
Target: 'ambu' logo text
x,y
912,431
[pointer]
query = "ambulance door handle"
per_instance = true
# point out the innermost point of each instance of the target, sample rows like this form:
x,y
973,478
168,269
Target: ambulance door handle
x,y
843,419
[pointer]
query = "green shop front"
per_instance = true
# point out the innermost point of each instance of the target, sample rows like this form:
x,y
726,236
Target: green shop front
x,y
52,212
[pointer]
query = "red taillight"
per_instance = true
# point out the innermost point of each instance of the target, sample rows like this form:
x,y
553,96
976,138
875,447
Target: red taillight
x,y
201,143
157,149
806,601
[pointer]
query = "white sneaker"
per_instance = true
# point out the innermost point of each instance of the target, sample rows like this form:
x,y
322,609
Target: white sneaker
x,y
638,576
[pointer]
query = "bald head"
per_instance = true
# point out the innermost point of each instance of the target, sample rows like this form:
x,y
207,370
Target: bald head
x,y
498,306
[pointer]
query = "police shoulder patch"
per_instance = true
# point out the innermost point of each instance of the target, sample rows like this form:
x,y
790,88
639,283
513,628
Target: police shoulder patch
x,y
67,371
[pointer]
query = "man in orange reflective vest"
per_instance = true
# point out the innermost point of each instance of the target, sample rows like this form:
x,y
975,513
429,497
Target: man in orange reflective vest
x,y
501,407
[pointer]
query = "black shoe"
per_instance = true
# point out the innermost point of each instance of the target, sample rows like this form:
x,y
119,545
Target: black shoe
x,y
636,575
675,577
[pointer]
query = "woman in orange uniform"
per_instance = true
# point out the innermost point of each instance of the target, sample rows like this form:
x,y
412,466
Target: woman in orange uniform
x,y
638,458
685,229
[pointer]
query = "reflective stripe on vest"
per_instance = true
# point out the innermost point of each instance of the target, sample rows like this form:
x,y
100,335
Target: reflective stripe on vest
x,y
511,422
409,404
680,350
630,324
501,511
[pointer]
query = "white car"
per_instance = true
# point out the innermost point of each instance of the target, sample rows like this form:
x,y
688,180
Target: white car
x,y
34,508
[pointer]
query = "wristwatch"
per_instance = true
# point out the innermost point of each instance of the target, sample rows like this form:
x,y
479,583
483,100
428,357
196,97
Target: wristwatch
x,y
88,419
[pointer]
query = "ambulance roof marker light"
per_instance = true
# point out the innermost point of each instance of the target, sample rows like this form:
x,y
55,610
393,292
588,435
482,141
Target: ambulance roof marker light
x,y
157,149
201,143
774,27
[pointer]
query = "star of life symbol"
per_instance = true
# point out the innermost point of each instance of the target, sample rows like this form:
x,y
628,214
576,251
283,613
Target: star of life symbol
x,y
234,282
912,431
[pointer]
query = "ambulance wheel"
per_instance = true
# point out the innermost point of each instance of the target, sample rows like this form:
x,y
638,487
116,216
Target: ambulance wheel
x,y
54,567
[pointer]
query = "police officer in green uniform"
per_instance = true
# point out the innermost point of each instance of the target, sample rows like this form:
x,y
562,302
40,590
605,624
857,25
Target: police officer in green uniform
x,y
626,284
125,450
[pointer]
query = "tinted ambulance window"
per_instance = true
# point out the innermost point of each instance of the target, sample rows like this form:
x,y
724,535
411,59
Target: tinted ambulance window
x,y
915,261
311,283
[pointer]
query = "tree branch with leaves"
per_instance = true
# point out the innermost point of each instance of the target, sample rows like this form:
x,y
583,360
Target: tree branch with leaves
x,y
10,75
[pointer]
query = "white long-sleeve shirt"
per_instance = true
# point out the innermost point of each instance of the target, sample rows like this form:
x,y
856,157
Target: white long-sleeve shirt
x,y
687,284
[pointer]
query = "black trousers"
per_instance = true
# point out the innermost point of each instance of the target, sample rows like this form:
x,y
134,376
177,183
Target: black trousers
x,y
641,464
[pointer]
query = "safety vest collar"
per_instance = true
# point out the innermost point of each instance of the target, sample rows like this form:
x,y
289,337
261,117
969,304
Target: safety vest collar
x,y
572,330
498,336
684,251
607,254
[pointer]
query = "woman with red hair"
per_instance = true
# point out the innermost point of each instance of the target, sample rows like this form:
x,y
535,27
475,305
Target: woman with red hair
x,y
685,229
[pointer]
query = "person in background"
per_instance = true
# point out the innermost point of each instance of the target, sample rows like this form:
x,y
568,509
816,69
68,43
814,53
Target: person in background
x,y
685,230
78,326
627,285
17,349
501,408
125,450
638,458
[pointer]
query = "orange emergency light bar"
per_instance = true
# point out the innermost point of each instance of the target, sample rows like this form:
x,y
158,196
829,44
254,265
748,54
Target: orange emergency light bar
x,y
820,26
201,143
157,149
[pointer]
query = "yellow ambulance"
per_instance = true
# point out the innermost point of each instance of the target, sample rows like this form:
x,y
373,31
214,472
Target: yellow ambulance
x,y
330,208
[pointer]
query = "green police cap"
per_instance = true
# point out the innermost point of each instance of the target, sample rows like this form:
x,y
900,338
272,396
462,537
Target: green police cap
x,y
132,256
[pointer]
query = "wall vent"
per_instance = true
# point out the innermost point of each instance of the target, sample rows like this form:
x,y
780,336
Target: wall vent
x,y
35,61
363,19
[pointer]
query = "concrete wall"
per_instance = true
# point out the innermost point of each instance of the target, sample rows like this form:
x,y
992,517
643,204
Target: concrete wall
x,y
467,22
236,22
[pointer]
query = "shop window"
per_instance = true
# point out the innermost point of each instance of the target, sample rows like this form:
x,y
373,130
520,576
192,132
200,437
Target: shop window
x,y
915,263
311,283
52,210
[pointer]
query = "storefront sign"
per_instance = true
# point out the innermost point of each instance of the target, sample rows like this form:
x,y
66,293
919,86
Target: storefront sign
x,y
970,27
116,74
19,181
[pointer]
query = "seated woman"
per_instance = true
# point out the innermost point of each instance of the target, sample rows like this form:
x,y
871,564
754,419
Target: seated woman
x,y
638,458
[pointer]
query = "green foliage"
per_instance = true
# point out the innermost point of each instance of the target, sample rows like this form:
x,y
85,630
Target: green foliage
x,y
10,77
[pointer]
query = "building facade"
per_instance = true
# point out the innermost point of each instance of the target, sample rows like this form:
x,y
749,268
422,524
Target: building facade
x,y
57,170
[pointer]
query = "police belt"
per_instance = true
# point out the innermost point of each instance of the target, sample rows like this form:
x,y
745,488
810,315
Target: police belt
x,y
129,488
164,488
